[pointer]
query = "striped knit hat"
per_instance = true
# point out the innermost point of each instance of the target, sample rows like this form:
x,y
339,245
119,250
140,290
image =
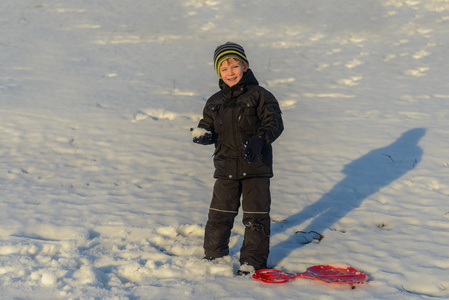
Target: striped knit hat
x,y
226,51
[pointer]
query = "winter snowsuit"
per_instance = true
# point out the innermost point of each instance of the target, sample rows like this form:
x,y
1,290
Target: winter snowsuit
x,y
231,115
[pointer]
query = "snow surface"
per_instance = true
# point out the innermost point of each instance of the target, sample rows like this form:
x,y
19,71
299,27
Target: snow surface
x,y
105,196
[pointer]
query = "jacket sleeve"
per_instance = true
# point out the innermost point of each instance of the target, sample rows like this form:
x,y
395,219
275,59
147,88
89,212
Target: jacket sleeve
x,y
270,114
207,122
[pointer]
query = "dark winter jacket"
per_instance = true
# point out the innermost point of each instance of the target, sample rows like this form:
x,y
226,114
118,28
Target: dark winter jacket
x,y
238,113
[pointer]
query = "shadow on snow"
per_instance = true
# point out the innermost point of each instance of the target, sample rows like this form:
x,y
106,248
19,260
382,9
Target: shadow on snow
x,y
364,177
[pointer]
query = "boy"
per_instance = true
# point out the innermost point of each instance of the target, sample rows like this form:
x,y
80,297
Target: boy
x,y
242,120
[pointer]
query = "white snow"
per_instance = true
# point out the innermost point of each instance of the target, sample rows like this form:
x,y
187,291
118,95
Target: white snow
x,y
198,132
104,196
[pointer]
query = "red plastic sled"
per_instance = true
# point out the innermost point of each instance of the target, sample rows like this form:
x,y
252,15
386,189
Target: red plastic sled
x,y
327,273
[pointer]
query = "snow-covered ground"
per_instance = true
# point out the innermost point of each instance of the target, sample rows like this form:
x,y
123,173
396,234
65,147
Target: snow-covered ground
x,y
103,194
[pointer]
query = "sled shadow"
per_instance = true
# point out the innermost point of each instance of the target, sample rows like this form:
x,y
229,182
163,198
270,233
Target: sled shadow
x,y
364,177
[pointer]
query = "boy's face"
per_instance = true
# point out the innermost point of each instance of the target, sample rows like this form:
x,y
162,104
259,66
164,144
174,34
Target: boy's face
x,y
231,71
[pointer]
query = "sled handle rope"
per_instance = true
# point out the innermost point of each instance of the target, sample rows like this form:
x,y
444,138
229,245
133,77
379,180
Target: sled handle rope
x,y
327,273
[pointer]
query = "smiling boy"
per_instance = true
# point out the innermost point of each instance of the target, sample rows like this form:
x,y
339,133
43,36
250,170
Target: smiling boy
x,y
232,70
242,120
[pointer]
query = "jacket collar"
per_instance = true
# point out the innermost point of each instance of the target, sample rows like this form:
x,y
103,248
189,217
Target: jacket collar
x,y
247,79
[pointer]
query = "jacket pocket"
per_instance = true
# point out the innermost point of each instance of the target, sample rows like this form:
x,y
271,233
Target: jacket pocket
x,y
248,118
218,123
220,167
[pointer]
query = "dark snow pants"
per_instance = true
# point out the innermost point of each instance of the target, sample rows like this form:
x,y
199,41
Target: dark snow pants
x,y
256,202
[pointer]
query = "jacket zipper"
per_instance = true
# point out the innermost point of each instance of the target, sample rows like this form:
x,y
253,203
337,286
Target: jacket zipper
x,y
240,115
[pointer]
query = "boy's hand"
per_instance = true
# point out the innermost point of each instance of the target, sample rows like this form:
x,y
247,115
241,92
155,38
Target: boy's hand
x,y
201,136
253,148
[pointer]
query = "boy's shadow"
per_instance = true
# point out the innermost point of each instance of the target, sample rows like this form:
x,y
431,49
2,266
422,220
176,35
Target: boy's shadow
x,y
364,177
